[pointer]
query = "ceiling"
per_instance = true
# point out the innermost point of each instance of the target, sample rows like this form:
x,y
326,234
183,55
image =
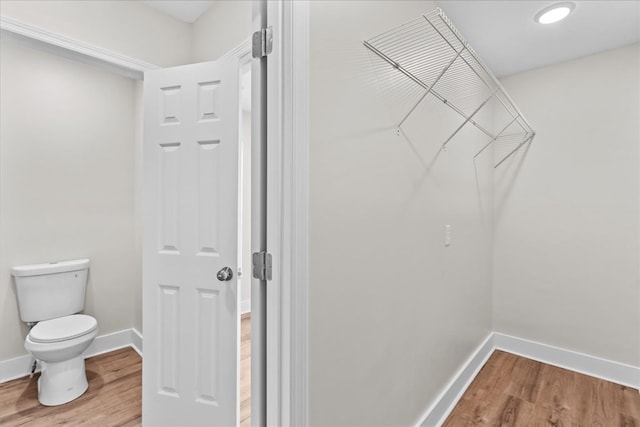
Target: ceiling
x,y
507,39
184,10
503,32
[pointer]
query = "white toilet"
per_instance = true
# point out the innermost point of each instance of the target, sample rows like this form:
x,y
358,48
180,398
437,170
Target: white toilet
x,y
49,296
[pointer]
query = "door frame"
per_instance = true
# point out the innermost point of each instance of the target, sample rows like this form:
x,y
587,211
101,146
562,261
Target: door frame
x,y
287,213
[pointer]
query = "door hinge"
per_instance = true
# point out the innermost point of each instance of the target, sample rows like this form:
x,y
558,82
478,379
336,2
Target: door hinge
x,y
262,265
262,43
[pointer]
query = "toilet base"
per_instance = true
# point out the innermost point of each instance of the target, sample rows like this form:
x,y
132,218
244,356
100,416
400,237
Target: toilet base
x,y
62,382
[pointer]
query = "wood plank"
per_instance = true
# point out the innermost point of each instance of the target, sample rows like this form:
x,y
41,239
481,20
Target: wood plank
x,y
114,397
114,388
245,370
525,379
514,391
512,412
630,403
555,402
498,373
470,412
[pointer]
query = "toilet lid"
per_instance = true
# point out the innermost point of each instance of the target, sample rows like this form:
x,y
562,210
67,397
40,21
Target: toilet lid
x,y
63,328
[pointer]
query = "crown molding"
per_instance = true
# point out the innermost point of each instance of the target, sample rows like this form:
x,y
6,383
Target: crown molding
x,y
74,49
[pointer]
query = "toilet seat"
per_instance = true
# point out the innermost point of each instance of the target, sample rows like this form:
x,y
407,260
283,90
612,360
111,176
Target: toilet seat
x,y
63,328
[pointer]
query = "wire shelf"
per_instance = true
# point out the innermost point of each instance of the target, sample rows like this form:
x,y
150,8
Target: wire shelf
x,y
431,53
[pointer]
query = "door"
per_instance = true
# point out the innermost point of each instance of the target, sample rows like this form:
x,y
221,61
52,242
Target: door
x,y
190,301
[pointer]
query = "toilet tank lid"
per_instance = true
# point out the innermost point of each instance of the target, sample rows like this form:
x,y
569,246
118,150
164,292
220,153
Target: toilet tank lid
x,y
53,267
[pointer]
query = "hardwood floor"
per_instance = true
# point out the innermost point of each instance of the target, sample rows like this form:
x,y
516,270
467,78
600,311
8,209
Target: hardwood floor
x,y
245,370
515,391
508,391
114,397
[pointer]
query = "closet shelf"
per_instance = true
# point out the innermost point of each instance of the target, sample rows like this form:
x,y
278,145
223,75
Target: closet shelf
x,y
430,52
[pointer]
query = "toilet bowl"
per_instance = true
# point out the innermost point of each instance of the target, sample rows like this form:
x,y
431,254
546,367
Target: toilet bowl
x,y
59,344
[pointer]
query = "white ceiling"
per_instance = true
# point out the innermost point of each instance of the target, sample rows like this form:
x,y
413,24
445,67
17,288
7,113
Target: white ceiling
x,y
503,32
507,39
184,10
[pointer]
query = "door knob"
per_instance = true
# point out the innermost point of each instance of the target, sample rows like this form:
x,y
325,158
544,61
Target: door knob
x,y
225,274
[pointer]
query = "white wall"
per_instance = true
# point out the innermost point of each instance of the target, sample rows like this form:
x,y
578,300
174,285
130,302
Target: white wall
x,y
393,312
126,27
67,182
225,25
567,214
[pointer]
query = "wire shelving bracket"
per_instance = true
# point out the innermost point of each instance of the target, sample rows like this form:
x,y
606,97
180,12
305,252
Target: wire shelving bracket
x,y
430,52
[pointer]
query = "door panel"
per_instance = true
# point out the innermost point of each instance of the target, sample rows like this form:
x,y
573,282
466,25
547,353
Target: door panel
x,y
190,318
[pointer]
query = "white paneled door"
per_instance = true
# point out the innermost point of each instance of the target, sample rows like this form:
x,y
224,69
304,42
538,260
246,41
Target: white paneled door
x,y
190,301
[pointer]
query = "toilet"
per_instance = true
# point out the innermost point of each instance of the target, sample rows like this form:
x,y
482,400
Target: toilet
x,y
50,296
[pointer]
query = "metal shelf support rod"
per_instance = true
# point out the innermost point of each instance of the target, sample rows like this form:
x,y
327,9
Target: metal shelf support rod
x,y
430,87
484,67
515,149
466,121
416,80
465,45
496,137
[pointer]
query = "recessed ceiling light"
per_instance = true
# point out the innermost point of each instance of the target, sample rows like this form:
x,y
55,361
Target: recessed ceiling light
x,y
554,13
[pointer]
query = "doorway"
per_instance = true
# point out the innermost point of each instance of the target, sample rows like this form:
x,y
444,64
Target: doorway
x,y
198,228
244,242
246,265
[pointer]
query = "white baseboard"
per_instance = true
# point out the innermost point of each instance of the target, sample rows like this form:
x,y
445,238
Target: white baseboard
x,y
109,342
21,366
453,391
616,372
608,370
136,341
15,368
245,306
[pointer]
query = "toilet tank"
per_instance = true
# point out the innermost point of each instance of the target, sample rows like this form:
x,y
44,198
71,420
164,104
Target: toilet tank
x,y
47,291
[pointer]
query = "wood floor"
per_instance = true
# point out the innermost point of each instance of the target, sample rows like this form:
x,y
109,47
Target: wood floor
x,y
508,391
514,391
114,397
245,371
